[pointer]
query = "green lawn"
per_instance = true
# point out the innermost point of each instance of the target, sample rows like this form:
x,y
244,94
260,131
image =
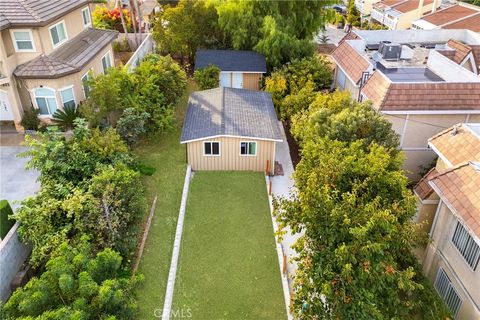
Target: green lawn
x,y
228,266
165,153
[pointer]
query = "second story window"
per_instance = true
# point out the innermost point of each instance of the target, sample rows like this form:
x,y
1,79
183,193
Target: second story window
x,y
87,21
466,245
58,33
23,40
106,62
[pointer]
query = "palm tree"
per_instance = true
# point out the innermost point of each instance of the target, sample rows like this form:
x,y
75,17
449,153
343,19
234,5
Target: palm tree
x,y
65,118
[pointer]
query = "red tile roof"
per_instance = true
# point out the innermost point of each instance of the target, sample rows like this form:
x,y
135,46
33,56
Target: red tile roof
x,y
457,148
449,15
410,5
461,50
352,62
470,23
388,96
349,36
459,189
422,189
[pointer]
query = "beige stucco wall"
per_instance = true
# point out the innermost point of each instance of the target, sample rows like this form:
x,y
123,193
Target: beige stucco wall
x,y
442,253
405,20
230,158
415,130
349,85
251,81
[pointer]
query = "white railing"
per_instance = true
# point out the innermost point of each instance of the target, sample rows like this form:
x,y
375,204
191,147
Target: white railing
x,y
377,15
359,6
389,22
147,46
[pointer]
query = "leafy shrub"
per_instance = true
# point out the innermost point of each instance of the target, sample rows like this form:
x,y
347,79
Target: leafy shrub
x,y
65,118
76,285
131,125
145,170
30,120
104,18
6,223
208,78
121,46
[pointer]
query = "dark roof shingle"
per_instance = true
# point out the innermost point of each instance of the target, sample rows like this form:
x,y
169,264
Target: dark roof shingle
x,y
230,112
71,57
34,13
231,60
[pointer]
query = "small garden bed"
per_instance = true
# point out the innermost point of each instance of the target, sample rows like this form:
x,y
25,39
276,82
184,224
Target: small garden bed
x,y
228,266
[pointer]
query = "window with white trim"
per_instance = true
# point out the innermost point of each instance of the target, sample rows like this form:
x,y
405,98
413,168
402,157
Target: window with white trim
x,y
87,21
211,148
447,291
341,79
58,33
248,148
46,101
106,62
86,84
466,245
23,40
68,98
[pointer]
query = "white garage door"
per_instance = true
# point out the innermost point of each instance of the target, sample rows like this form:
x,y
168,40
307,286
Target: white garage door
x,y
237,80
225,79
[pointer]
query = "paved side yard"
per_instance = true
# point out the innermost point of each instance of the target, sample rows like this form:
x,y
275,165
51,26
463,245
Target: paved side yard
x,y
16,183
228,266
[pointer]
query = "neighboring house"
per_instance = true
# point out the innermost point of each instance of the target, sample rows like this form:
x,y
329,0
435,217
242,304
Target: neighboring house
x,y
231,129
449,206
239,69
459,16
399,14
421,81
48,50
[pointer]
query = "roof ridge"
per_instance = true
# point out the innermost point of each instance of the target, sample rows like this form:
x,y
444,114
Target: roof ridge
x,y
458,166
29,10
441,133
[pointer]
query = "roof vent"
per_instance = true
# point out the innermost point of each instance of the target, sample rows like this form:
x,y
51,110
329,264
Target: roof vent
x,y
454,130
390,51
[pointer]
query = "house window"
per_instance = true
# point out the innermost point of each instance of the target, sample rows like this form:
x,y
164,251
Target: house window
x,y
85,84
211,148
58,33
465,244
68,99
106,62
23,40
87,21
445,289
341,79
46,101
248,148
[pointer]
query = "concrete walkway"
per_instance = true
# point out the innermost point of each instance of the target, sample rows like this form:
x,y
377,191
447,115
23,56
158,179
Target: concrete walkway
x,y
16,183
281,186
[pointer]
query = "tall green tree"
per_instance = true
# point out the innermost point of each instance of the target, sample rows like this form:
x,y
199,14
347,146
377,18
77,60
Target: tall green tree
x,y
354,256
76,285
184,28
338,117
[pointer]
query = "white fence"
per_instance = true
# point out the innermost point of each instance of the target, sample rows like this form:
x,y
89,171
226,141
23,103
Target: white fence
x,y
147,46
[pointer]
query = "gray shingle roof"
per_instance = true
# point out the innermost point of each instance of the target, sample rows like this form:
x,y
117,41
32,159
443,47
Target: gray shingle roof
x,y
231,60
230,112
34,13
71,57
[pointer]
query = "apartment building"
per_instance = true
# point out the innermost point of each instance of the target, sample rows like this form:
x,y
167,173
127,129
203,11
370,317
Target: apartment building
x,y
399,14
449,208
458,16
421,81
48,50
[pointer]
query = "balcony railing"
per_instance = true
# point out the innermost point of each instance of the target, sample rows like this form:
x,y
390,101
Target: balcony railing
x,y
377,15
389,22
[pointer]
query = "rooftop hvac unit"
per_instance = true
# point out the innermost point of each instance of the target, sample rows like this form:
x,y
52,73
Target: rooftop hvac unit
x,y
390,51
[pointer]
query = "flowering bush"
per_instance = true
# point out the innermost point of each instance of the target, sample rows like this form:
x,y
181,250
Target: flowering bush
x,y
105,18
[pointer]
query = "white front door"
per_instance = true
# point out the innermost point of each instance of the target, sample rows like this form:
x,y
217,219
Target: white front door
x,y
5,108
225,79
237,80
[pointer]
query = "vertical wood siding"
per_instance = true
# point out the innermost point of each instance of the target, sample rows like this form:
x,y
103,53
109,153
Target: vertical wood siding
x,y
251,81
230,158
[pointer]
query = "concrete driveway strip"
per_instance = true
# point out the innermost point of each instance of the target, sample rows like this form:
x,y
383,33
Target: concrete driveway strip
x,y
16,183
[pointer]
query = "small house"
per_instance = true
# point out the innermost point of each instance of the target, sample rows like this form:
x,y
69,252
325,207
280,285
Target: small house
x,y
231,129
238,69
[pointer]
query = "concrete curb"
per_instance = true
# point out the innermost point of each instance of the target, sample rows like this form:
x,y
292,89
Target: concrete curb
x,y
167,306
280,255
